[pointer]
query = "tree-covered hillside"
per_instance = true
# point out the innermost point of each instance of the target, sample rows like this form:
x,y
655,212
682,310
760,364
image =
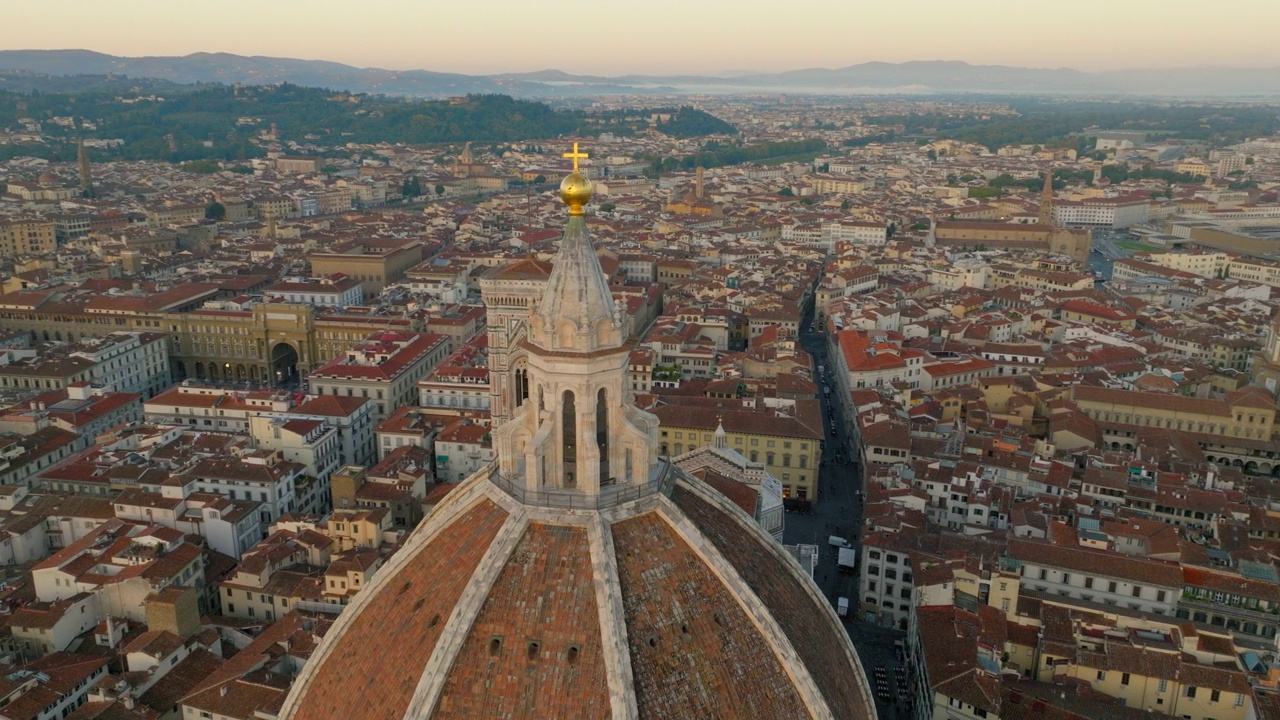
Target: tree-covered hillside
x,y
1067,123
690,122
219,122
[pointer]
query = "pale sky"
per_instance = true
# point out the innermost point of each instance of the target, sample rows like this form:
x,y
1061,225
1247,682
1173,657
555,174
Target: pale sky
x,y
611,37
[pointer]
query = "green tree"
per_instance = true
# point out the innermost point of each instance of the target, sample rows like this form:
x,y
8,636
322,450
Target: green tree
x,y
607,207
201,167
439,189
540,179
932,154
1115,173
893,228
215,211
846,205
787,192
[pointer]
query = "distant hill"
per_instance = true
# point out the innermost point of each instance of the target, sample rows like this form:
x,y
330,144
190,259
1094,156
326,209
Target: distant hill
x,y
213,121
871,77
229,69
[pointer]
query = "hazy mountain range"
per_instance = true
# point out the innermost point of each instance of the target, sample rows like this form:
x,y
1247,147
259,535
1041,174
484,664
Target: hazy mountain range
x,y
922,77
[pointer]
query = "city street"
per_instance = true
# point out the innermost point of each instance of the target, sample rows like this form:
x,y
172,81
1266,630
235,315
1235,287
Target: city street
x,y
1105,251
838,511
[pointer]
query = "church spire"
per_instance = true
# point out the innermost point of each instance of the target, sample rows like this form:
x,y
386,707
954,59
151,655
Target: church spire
x,y
86,175
577,312
1046,200
579,433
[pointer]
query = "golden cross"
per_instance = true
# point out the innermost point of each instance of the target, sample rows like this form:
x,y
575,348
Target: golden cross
x,y
575,155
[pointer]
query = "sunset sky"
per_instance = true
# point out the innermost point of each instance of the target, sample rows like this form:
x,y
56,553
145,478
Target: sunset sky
x,y
663,36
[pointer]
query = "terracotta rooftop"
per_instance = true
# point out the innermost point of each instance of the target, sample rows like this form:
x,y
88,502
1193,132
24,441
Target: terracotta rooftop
x,y
487,613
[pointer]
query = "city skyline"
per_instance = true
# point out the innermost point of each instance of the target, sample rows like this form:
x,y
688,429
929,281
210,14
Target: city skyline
x,y
668,37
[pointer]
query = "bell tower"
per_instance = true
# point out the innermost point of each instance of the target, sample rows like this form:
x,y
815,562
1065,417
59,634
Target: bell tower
x,y
1046,200
578,431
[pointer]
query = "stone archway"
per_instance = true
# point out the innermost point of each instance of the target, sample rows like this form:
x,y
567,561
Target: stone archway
x,y
284,363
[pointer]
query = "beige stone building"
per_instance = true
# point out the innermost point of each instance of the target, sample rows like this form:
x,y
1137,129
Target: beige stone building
x,y
1070,242
376,263
298,164
265,343
1236,430
384,367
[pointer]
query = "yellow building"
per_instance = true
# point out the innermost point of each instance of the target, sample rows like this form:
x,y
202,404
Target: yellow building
x,y
1247,413
790,446
1203,263
32,236
175,214
1175,670
353,528
1266,272
26,236
1236,430
1194,167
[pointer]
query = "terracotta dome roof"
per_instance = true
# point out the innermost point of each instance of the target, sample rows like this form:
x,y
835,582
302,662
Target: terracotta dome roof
x,y
674,604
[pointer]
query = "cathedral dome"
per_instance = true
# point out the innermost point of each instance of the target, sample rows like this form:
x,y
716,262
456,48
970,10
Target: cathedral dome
x,y
672,604
581,575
